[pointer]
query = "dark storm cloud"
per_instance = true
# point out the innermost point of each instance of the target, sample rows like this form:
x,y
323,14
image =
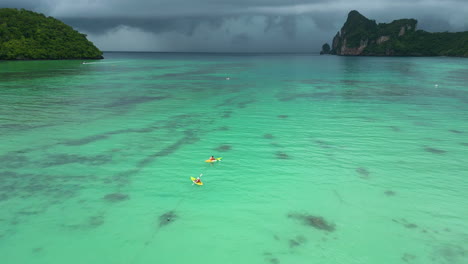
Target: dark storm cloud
x,y
185,25
287,23
241,38
234,25
27,4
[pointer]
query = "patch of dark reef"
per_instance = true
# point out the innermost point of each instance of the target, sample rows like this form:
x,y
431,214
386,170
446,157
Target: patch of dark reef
x,y
85,140
200,74
450,253
121,178
293,243
8,128
93,138
26,185
297,241
274,260
323,144
167,218
63,159
283,116
408,257
28,212
282,155
37,250
190,138
91,222
3,197
95,221
226,114
316,222
268,136
405,223
223,148
129,101
363,172
390,193
13,161
116,197
245,103
434,150
227,102
270,258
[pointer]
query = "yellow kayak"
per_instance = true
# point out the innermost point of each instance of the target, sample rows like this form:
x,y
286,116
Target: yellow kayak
x,y
197,183
215,160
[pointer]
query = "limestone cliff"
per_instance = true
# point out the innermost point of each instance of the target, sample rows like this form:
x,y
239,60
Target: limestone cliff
x,y
362,36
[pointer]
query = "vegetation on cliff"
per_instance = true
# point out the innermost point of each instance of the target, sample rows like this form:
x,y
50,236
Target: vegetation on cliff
x,y
29,35
325,49
361,36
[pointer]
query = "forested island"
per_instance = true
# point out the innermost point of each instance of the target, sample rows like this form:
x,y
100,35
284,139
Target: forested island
x,y
360,36
26,35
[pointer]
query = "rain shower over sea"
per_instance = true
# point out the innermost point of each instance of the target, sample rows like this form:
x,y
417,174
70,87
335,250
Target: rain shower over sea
x,y
325,159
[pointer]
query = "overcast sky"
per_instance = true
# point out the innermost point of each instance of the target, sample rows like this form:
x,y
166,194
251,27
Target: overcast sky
x,y
234,25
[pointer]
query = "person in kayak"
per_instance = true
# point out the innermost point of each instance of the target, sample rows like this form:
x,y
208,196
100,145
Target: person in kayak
x,y
198,180
212,158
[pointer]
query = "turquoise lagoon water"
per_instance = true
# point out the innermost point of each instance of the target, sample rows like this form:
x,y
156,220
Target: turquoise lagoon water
x,y
325,159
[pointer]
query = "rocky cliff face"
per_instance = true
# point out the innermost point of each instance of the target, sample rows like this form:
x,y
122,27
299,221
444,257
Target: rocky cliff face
x,y
358,33
362,36
347,50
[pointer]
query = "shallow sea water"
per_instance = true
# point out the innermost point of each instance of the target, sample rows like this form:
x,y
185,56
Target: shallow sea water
x,y
325,159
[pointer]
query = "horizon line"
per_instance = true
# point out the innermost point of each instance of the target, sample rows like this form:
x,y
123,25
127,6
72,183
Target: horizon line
x,y
213,52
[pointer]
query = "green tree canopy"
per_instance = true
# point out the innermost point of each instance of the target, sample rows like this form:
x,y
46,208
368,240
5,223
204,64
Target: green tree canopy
x,y
28,35
325,49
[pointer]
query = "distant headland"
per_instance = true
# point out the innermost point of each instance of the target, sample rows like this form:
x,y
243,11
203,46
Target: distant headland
x,y
26,35
360,36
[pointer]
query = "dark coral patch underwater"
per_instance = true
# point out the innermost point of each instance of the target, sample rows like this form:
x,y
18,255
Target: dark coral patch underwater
x,y
270,258
63,159
126,101
13,160
223,148
116,197
434,150
363,172
405,223
282,155
395,128
317,222
450,253
167,218
297,241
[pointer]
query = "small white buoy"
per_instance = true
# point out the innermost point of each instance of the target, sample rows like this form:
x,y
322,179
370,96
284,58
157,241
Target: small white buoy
x,y
228,78
436,85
